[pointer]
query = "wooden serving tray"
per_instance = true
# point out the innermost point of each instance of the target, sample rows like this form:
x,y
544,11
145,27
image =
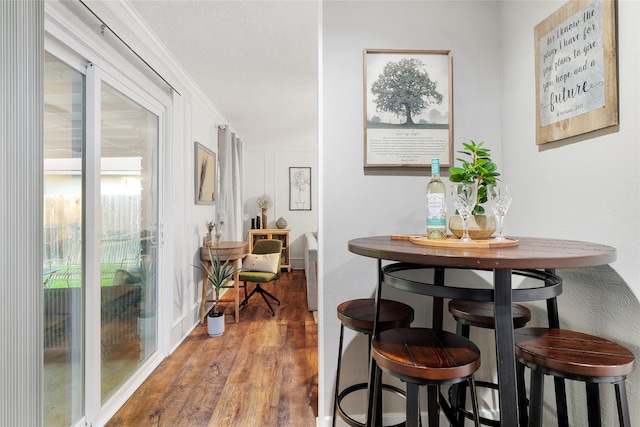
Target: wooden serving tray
x,y
454,242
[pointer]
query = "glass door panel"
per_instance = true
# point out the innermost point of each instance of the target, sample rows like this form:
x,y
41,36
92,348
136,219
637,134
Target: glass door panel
x,y
129,204
63,267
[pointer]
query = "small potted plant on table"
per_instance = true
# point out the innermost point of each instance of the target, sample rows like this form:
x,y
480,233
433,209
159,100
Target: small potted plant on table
x,y
218,274
479,169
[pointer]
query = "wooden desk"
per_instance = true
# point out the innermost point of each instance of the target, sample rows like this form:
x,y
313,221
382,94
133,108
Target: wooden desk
x,y
530,254
232,251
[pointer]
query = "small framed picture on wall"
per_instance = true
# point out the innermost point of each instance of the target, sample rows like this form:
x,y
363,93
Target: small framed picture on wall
x,y
205,167
299,189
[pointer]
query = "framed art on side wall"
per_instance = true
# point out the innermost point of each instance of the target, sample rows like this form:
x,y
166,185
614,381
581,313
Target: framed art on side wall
x,y
408,115
576,70
205,179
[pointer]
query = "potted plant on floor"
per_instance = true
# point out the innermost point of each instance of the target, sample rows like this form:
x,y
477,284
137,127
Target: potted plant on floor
x,y
479,169
218,274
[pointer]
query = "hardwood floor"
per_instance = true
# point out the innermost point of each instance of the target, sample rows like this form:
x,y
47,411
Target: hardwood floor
x,y
262,371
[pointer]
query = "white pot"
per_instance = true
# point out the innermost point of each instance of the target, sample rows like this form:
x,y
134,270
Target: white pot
x,y
215,324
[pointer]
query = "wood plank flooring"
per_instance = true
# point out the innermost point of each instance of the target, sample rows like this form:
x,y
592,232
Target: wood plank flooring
x,y
262,371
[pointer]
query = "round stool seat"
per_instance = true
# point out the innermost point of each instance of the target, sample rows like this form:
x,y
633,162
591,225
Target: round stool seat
x,y
480,314
421,356
572,354
359,315
426,354
567,354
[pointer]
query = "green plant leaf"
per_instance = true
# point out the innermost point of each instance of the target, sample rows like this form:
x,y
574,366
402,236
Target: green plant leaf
x,y
218,273
478,168
478,210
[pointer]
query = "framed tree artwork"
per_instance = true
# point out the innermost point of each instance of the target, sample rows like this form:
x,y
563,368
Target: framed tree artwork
x,y
408,115
299,189
576,70
205,179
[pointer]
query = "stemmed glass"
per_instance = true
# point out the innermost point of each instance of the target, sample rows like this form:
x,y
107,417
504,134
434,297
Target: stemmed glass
x,y
499,196
464,198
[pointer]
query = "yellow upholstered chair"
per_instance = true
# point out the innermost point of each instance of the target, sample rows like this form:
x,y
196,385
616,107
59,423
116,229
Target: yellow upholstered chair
x,y
262,265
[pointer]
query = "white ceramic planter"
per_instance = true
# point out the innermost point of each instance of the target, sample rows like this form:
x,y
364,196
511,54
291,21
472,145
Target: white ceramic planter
x,y
215,325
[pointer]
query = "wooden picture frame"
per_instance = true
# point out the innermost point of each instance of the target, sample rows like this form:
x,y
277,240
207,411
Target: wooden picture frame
x,y
407,134
299,188
576,70
205,175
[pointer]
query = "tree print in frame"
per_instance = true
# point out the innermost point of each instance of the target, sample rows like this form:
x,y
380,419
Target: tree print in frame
x,y
408,118
299,189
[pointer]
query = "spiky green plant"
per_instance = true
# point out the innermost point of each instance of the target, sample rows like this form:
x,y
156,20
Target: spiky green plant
x,y
218,273
479,169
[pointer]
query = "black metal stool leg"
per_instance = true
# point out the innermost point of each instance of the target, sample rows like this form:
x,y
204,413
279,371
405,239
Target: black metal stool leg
x,y
523,413
413,408
474,402
376,409
432,405
593,404
337,389
459,390
561,402
623,405
537,399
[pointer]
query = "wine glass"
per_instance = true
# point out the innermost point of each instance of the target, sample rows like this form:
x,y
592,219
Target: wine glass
x,y
464,198
218,232
499,196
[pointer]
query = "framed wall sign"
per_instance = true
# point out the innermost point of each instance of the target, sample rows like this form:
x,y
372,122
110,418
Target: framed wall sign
x,y
407,108
299,189
205,179
576,70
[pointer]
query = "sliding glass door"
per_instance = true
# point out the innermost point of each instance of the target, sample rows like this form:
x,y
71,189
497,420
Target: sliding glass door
x,y
100,223
129,212
63,287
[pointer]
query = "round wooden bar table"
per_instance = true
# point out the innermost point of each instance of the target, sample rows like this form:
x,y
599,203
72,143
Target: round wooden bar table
x,y
531,254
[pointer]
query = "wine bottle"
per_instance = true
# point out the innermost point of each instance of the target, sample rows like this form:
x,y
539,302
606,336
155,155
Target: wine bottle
x,y
436,204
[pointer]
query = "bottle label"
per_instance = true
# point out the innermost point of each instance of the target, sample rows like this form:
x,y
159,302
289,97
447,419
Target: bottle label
x,y
436,216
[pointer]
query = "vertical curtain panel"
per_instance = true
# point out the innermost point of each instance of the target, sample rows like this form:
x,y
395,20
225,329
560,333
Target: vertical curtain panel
x,y
21,191
230,184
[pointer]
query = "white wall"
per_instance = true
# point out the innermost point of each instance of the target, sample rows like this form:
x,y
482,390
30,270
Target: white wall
x,y
267,172
578,189
356,204
189,228
564,190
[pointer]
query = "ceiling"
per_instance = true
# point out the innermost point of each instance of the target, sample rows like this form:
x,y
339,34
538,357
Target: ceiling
x,y
256,61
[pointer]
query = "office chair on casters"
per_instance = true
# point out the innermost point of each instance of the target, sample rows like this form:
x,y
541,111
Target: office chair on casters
x,y
262,266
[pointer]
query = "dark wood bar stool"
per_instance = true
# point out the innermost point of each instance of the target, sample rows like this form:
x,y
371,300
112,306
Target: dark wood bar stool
x,y
421,356
576,356
480,315
359,315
